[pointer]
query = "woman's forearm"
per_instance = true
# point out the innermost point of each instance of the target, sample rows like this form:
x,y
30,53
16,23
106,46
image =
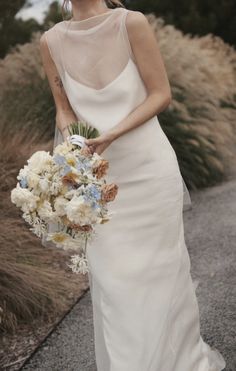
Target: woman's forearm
x,y
63,119
153,105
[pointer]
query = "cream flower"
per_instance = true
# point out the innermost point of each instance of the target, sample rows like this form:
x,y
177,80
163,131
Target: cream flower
x,y
60,206
40,161
24,199
95,158
71,159
45,211
79,264
32,179
59,238
23,173
63,148
80,212
44,185
71,193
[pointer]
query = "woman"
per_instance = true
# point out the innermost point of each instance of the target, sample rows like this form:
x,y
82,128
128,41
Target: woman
x,y
104,66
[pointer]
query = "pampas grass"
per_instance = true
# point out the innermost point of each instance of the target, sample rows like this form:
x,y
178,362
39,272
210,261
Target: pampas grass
x,y
35,282
27,106
200,121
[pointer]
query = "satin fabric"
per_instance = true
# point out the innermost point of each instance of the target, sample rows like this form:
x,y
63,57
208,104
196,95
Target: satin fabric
x,y
145,311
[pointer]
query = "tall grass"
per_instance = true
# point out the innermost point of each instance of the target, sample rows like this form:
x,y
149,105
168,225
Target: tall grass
x,y
35,282
200,122
26,102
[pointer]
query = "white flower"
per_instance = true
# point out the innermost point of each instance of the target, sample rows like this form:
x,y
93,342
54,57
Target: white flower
x,y
71,159
38,228
63,148
79,264
32,179
24,199
77,242
44,185
80,212
28,218
59,238
40,161
71,193
89,175
60,206
45,211
23,173
95,158
55,188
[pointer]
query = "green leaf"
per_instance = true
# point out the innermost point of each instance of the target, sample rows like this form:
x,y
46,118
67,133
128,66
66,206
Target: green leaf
x,y
84,129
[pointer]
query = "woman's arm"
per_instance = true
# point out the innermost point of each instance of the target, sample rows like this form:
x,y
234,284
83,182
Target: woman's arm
x,y
152,70
64,112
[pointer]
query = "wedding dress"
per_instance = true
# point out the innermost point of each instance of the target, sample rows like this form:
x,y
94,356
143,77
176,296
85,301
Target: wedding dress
x,y
145,310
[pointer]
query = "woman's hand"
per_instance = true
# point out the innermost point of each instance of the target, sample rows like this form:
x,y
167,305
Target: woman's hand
x,y
100,143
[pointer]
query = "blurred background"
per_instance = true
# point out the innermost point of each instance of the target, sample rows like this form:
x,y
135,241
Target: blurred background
x,y
197,39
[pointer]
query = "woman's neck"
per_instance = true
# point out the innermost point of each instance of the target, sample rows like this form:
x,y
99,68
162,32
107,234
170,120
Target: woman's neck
x,y
83,9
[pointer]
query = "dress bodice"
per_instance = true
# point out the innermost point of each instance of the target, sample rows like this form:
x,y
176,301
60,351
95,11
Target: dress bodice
x,y
103,84
97,66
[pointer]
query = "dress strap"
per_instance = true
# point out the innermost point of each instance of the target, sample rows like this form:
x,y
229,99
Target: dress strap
x,y
125,33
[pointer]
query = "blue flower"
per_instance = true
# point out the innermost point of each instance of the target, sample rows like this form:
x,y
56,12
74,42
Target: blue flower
x,y
83,164
59,159
79,166
93,192
65,170
23,183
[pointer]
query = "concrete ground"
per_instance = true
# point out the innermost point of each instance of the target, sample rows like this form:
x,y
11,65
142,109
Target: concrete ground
x,y
210,234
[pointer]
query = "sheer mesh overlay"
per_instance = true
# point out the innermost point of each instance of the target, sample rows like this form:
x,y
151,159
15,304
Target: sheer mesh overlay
x,y
93,51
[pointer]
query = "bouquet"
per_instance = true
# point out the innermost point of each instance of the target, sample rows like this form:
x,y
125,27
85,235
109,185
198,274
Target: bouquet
x,y
67,189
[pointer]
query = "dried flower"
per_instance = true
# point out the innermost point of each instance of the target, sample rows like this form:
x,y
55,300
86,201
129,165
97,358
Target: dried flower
x,y
109,192
101,168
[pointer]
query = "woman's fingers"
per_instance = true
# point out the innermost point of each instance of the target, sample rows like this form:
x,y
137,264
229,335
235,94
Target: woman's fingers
x,y
91,141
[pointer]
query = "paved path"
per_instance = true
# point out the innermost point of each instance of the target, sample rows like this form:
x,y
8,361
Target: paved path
x,y
210,233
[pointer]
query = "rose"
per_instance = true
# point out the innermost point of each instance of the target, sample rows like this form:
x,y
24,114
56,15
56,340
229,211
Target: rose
x,y
101,168
109,192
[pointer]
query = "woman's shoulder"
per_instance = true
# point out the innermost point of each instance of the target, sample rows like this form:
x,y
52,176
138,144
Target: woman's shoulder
x,y
55,26
136,22
135,18
50,32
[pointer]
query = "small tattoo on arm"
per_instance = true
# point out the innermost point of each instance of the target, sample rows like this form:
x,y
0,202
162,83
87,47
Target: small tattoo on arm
x,y
58,82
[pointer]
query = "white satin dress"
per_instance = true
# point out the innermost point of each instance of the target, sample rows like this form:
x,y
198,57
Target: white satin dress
x,y
145,311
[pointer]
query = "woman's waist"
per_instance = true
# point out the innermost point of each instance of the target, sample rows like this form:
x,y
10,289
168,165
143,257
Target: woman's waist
x,y
143,150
